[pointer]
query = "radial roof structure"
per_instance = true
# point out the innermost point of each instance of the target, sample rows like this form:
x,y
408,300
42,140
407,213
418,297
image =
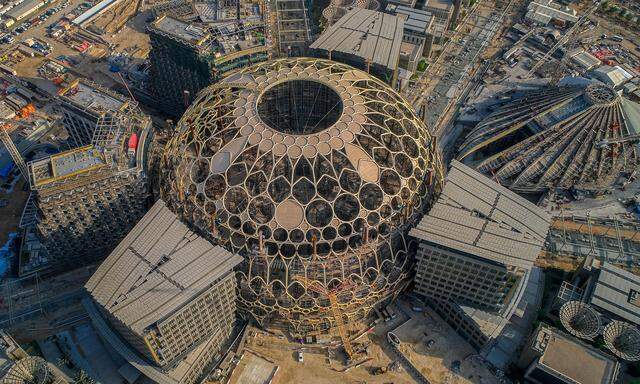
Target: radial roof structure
x,y
580,133
308,168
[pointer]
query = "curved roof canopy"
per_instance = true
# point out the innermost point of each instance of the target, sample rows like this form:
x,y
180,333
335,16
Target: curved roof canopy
x,y
579,134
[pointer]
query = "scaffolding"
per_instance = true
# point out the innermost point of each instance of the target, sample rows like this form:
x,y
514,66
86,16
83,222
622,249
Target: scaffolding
x,y
293,31
21,299
608,240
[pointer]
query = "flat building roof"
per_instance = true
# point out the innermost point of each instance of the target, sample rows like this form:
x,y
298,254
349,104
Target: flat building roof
x,y
65,164
92,97
224,40
563,356
439,4
180,29
417,20
371,35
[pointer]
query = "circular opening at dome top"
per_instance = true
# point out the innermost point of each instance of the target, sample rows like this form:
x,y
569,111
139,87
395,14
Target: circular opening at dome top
x,y
300,107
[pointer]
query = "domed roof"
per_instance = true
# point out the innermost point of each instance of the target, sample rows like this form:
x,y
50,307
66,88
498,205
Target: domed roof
x,y
313,156
581,133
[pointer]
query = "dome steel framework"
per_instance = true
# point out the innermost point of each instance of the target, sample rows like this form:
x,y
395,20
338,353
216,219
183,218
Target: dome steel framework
x,y
580,134
580,319
30,370
623,339
310,169
338,8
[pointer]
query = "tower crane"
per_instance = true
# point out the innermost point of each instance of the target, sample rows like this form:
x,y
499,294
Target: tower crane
x,y
6,127
332,294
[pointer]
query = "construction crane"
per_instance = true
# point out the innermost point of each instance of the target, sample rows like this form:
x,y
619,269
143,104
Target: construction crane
x,y
8,125
563,40
332,294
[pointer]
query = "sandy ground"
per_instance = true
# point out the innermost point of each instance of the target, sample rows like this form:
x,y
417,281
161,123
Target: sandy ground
x,y
435,361
92,64
324,365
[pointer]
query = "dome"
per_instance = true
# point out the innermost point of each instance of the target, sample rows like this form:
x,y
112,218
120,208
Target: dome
x,y
580,133
309,169
29,370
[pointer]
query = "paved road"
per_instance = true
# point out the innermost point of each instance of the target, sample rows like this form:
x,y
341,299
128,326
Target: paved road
x,y
27,68
450,86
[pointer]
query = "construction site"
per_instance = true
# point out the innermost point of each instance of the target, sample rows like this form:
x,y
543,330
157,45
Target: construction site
x,y
426,348
319,216
310,226
579,136
104,179
186,57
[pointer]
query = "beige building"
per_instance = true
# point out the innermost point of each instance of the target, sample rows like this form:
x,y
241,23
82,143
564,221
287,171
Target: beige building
x,y
554,357
165,299
475,262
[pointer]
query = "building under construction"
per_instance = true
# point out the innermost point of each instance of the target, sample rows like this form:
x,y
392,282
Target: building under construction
x,y
475,262
571,239
293,28
312,171
83,104
88,198
581,134
165,299
187,57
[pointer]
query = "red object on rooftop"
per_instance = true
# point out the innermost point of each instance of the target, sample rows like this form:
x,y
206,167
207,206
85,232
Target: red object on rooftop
x,y
133,142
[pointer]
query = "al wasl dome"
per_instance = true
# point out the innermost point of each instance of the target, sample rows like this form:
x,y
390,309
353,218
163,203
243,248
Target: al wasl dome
x,y
312,171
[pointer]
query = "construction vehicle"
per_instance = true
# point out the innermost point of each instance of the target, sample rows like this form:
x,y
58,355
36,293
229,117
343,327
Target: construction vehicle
x,y
26,111
379,371
332,294
563,39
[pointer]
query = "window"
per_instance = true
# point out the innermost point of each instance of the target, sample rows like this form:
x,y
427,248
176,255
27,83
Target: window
x,y
634,298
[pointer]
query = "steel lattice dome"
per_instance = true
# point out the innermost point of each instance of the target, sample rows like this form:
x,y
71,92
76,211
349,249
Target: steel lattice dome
x,y
325,163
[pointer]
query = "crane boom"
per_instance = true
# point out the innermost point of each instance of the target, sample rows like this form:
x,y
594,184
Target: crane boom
x,y
335,310
13,151
618,140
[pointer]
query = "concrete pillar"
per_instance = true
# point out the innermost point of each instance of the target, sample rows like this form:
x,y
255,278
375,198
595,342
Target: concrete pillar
x,y
457,6
428,45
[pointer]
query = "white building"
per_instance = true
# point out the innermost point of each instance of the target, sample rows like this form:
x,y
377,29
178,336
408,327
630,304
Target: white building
x,y
545,11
